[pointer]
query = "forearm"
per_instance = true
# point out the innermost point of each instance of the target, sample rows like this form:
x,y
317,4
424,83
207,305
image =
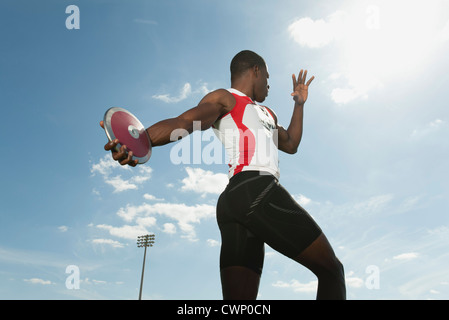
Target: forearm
x,y
169,130
295,129
296,124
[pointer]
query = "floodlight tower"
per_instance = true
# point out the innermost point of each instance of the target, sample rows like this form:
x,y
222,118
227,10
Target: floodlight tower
x,y
144,241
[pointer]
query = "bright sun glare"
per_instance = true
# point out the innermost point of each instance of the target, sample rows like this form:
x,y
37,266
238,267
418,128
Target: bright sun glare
x,y
377,43
396,39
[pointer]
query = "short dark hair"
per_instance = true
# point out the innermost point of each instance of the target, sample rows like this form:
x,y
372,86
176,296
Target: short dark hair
x,y
243,61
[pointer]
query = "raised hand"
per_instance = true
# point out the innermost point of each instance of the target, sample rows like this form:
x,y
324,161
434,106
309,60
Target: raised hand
x,y
300,87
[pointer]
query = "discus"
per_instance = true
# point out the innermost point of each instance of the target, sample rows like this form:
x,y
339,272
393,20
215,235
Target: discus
x,y
121,124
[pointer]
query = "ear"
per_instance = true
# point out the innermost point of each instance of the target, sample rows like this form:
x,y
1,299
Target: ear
x,y
256,70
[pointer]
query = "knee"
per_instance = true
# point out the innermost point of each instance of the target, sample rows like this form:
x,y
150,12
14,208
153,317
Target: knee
x,y
331,281
339,269
332,269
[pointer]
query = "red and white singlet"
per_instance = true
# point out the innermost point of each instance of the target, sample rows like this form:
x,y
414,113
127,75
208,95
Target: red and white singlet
x,y
249,135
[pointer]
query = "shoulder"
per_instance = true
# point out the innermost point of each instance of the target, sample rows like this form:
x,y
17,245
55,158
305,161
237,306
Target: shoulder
x,y
219,95
222,97
273,114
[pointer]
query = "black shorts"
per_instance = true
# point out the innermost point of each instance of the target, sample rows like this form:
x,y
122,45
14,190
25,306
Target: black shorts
x,y
255,209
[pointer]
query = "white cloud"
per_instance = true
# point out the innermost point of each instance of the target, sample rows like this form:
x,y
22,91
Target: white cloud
x,y
212,243
318,33
63,228
352,281
203,89
302,199
125,231
345,95
139,179
428,129
106,167
182,217
441,232
204,182
169,228
120,185
311,287
148,196
297,286
184,93
110,242
352,84
38,281
128,214
432,291
146,221
406,256
143,215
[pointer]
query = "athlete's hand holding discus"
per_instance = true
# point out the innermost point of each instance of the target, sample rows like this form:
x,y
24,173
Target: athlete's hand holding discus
x,y
122,155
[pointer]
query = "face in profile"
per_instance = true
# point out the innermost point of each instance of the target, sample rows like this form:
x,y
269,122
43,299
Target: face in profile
x,y
261,84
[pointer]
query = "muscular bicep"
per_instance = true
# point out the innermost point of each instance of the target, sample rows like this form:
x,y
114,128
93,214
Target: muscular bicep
x,y
208,110
202,116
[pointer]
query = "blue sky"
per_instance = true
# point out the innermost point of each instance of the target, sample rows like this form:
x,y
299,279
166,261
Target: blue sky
x,y
371,168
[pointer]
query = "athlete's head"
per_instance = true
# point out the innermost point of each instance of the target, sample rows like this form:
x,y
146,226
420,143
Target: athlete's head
x,y
249,61
243,61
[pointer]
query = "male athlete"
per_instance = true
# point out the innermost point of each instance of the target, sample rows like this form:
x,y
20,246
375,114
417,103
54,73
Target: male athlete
x,y
254,208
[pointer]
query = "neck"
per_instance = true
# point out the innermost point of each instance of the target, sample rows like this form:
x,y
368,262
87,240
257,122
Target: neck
x,y
244,86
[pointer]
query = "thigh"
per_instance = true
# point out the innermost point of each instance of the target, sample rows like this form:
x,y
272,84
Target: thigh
x,y
239,247
268,211
283,224
241,262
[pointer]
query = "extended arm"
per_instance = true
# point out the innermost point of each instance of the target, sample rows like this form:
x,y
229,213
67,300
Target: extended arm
x,y
210,108
288,140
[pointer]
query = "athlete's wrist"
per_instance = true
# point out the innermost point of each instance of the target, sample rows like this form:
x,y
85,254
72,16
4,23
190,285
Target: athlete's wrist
x,y
298,102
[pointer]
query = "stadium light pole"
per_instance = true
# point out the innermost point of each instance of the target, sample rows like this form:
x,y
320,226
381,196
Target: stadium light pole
x,y
144,241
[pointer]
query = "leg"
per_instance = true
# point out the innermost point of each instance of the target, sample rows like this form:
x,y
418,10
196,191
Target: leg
x,y
241,255
321,260
272,215
239,283
285,226
241,261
